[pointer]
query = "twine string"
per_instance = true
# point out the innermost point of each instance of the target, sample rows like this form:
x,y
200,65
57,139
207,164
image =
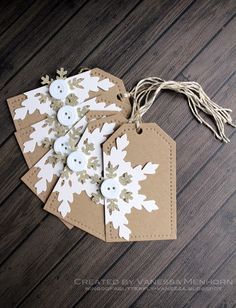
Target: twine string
x,y
146,91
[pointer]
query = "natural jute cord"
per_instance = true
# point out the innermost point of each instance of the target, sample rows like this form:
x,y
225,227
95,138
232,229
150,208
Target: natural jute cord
x,y
145,92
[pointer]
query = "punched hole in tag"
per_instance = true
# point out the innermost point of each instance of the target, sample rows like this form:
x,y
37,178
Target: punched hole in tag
x,y
139,131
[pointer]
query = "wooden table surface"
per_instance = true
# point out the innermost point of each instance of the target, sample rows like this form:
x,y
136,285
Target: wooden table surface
x,y
42,264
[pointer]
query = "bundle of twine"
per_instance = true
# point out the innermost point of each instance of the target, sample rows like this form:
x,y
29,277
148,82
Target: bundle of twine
x,y
145,92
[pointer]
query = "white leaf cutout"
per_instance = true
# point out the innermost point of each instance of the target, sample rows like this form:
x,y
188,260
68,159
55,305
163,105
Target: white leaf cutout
x,y
46,172
29,146
32,104
149,205
40,132
64,208
150,168
124,232
122,142
20,113
66,192
105,84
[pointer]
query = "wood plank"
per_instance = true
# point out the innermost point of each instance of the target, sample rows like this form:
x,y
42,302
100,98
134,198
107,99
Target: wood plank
x,y
72,43
182,42
145,27
11,11
15,222
31,32
226,296
197,262
213,57
144,260
51,228
12,165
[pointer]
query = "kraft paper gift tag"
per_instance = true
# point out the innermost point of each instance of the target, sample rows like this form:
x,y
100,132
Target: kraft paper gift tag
x,y
35,105
76,196
139,184
139,162
42,177
35,139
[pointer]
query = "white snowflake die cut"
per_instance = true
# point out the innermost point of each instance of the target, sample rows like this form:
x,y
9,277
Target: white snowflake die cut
x,y
52,164
126,181
87,179
50,128
78,88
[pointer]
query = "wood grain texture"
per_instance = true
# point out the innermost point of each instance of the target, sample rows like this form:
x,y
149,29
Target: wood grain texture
x,y
185,40
13,10
227,294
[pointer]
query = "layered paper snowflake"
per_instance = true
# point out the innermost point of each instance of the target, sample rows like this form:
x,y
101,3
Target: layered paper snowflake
x,y
89,179
128,177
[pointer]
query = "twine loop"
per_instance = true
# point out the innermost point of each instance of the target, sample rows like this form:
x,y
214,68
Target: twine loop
x,y
146,91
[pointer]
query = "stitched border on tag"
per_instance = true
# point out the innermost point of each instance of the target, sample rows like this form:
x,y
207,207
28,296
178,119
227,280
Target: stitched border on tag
x,y
171,186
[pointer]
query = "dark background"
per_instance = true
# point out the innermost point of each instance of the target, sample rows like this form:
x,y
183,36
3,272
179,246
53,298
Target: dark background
x,y
41,262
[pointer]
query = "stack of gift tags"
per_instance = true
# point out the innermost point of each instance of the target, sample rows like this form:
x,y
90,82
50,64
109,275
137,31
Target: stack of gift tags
x,y
75,136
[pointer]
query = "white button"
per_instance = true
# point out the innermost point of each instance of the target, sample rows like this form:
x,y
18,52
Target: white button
x,y
59,89
61,145
76,161
110,189
66,115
